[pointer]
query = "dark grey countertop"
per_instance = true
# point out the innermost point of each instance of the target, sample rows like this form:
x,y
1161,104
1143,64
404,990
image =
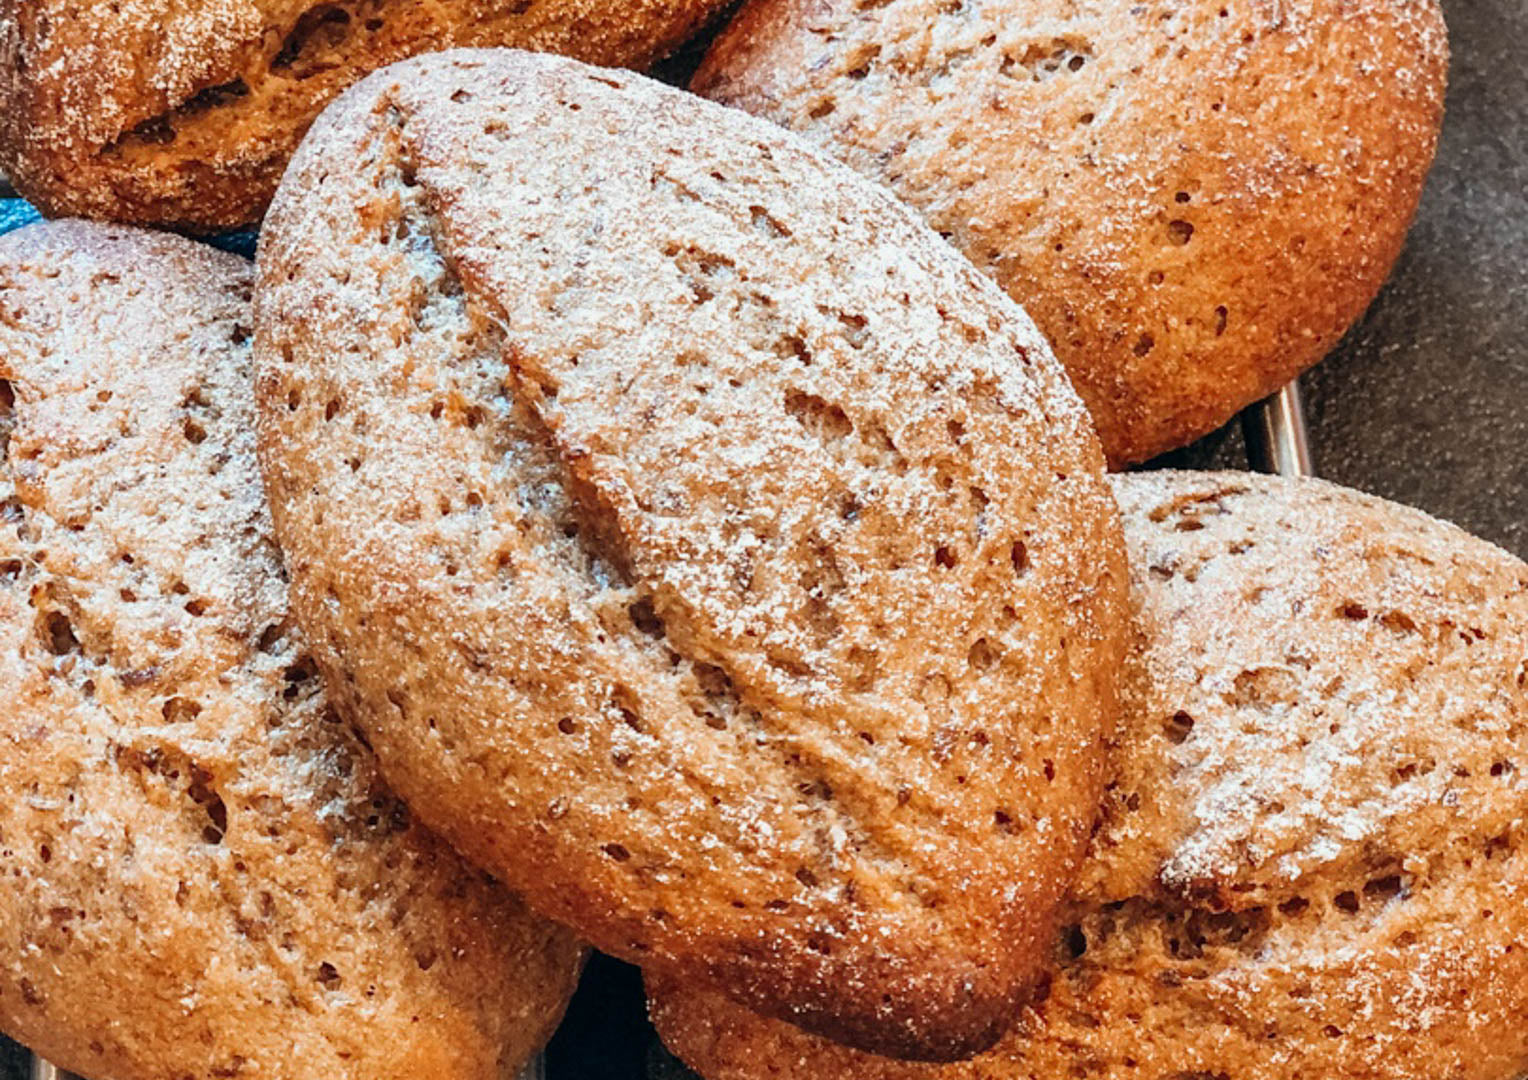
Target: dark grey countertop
x,y
1425,402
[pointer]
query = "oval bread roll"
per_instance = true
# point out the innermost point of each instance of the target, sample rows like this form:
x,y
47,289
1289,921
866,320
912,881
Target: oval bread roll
x,y
1194,200
705,547
1312,856
204,875
185,114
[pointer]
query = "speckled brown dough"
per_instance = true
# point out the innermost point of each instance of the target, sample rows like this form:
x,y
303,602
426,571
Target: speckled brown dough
x,y
1312,859
203,873
705,546
1193,199
183,113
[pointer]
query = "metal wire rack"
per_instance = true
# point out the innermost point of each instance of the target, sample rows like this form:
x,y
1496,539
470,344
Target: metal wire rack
x,y
1277,441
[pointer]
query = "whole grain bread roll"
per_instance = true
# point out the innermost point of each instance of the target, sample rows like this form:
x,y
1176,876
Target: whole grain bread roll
x,y
204,874
1312,858
1194,200
184,114
705,547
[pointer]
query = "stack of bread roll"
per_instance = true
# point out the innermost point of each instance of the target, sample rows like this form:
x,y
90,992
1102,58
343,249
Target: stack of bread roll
x,y
603,515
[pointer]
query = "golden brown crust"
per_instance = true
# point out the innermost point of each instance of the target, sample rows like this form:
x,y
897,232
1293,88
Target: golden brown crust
x,y
183,113
1194,201
1312,858
204,874
668,498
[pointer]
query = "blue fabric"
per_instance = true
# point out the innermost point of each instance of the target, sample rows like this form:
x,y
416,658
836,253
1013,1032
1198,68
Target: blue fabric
x,y
14,213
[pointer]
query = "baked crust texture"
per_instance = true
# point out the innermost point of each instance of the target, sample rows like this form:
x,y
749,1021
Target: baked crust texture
x,y
1311,857
1194,200
204,872
183,113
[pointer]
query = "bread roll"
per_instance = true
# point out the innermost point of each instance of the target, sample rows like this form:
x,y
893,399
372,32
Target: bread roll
x,y
1194,200
705,547
1312,855
205,875
184,114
